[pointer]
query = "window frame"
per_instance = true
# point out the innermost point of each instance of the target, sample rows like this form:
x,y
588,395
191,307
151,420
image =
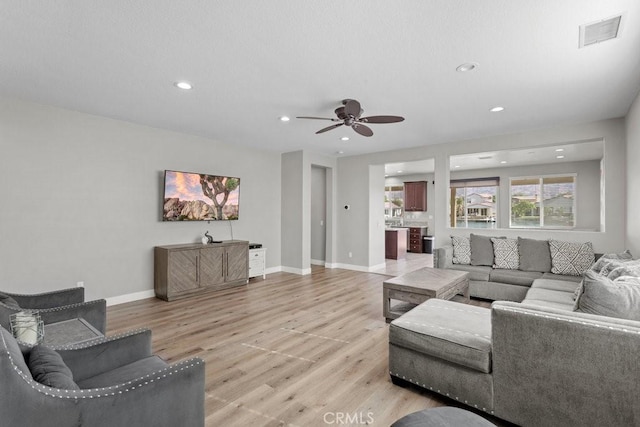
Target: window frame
x,y
541,178
472,183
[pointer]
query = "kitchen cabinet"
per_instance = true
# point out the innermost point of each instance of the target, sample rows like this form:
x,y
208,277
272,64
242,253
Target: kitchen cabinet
x,y
415,196
395,243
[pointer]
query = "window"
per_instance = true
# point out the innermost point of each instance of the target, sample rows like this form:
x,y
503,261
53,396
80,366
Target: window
x,y
474,202
393,201
545,201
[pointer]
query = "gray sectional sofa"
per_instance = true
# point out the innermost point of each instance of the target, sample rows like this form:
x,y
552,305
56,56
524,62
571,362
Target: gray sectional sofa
x,y
565,353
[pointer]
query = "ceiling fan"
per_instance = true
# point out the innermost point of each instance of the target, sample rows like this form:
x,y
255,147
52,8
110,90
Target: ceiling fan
x,y
349,114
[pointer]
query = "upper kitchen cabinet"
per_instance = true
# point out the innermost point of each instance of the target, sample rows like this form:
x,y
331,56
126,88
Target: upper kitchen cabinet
x,y
415,196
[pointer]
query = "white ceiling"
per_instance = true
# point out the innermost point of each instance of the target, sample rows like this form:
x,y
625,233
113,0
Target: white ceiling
x,y
251,62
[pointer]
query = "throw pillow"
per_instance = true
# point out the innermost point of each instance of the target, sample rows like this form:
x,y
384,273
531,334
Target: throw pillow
x,y
534,255
607,258
461,250
629,268
569,258
506,253
8,301
618,298
481,250
48,368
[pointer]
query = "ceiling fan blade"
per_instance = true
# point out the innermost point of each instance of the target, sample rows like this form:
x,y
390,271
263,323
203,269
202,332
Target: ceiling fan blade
x,y
362,129
352,108
329,128
317,118
382,119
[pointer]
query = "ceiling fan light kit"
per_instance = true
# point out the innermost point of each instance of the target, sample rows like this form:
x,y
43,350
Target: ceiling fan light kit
x,y
350,115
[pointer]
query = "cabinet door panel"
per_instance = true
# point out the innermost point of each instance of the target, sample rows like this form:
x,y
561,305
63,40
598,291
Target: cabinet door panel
x,y
211,266
237,262
183,271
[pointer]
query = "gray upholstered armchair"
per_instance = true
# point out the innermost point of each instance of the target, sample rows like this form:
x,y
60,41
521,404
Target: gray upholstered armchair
x,y
114,381
55,307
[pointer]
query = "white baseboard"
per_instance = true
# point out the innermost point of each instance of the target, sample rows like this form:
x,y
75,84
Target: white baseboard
x,y
317,262
299,271
121,299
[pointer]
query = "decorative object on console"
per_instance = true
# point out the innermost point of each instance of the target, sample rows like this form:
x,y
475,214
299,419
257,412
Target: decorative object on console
x,y
200,197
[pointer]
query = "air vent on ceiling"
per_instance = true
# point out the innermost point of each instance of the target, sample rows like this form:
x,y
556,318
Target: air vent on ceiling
x,y
600,31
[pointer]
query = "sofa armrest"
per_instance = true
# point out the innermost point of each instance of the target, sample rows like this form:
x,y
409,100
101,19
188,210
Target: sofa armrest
x,y
106,354
94,312
443,257
49,299
559,367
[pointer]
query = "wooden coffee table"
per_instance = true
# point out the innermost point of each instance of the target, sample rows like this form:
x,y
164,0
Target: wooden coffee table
x,y
420,285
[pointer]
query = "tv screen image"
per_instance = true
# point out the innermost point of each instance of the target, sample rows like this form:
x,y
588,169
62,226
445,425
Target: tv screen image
x,y
198,197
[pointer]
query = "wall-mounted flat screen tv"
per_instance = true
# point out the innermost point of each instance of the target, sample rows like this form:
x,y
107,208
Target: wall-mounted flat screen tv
x,y
199,197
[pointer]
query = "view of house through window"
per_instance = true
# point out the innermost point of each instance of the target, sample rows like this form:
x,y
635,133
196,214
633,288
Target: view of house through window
x,y
474,202
393,201
545,201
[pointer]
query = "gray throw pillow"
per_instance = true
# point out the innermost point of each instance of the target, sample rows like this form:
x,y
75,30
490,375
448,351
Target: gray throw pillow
x,y
481,250
48,368
629,268
534,255
618,298
8,301
609,258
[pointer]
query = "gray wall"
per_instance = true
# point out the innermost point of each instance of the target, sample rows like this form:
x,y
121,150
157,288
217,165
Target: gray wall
x,y
633,178
83,199
354,186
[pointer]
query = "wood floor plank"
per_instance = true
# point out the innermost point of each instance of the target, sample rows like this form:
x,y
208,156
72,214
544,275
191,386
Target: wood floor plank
x,y
285,350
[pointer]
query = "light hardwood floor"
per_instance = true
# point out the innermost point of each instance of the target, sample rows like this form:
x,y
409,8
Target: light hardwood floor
x,y
289,350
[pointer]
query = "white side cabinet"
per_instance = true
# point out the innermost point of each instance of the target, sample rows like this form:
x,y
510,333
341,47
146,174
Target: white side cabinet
x,y
257,262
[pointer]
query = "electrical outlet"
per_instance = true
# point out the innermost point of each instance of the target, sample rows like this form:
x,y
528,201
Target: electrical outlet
x,y
80,284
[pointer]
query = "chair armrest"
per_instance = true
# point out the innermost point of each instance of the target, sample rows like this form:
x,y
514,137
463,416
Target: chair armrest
x,y
49,299
94,312
105,354
443,257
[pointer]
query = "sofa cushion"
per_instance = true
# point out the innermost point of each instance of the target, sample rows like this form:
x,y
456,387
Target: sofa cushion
x,y
481,250
570,258
556,285
476,272
618,298
505,253
457,333
137,369
550,298
8,301
48,368
461,250
551,276
534,255
514,277
14,350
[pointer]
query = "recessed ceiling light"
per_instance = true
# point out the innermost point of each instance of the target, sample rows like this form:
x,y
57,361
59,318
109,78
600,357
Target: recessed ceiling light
x,y
559,157
467,66
456,166
344,138
284,119
183,85
503,162
559,149
497,109
340,152
399,171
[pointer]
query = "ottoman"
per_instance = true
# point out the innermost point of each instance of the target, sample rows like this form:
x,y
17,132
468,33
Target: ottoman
x,y
442,417
445,347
